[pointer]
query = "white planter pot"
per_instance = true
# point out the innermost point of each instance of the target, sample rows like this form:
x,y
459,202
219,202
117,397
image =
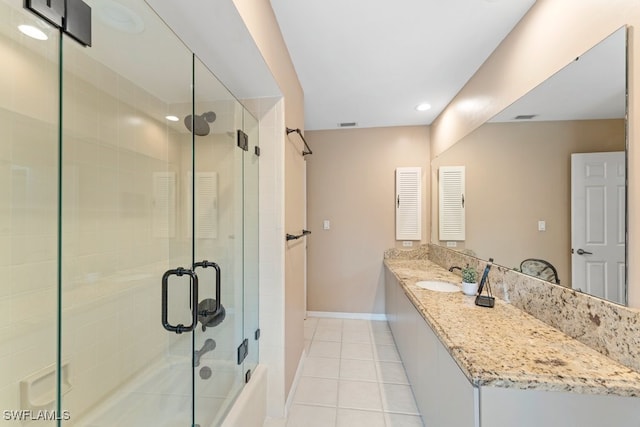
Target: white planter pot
x,y
469,288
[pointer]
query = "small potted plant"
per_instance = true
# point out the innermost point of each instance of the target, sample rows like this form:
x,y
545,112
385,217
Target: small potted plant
x,y
469,281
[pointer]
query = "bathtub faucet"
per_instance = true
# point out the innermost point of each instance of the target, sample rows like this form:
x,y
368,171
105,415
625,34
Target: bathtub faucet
x,y
209,345
455,267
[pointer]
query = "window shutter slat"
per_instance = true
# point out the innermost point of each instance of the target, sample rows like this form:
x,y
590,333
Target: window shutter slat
x,y
409,203
451,206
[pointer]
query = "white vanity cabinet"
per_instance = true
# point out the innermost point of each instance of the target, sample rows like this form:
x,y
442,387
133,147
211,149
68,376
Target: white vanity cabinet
x,y
446,397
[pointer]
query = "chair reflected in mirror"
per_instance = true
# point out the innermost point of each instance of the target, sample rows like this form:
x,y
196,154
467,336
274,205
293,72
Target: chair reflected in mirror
x,y
541,269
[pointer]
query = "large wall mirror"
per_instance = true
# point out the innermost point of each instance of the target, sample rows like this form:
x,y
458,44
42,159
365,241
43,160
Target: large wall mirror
x,y
565,140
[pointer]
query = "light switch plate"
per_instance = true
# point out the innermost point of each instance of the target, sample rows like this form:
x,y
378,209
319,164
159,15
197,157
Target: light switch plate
x,y
326,224
542,226
407,243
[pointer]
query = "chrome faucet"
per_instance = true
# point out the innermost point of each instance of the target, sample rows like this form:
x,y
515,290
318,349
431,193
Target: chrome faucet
x,y
209,345
455,267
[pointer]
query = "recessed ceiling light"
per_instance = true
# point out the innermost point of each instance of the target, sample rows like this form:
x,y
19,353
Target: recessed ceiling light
x,y
423,107
119,16
172,118
33,32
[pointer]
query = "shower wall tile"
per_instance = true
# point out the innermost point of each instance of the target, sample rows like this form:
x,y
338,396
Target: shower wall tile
x,y
6,375
5,317
34,277
5,291
5,252
6,134
33,248
8,396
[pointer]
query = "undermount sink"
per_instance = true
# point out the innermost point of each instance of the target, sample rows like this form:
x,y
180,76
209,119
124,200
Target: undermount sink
x,y
438,286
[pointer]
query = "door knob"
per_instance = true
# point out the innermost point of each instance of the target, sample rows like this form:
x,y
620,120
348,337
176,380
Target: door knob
x,y
583,252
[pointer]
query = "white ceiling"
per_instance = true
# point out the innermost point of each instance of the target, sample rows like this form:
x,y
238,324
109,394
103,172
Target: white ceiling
x,y
369,67
373,61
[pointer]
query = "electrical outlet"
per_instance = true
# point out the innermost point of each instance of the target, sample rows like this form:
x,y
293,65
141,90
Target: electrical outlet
x,y
326,224
407,243
542,226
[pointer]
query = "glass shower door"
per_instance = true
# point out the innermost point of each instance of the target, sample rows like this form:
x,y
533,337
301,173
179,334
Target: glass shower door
x,y
251,240
218,245
124,209
126,220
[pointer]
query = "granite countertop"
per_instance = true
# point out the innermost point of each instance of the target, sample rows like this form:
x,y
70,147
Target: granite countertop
x,y
506,347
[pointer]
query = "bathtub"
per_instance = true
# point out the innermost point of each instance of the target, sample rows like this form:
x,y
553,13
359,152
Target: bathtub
x,y
160,397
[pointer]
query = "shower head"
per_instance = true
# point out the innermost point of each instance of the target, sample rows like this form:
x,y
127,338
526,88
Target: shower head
x,y
200,123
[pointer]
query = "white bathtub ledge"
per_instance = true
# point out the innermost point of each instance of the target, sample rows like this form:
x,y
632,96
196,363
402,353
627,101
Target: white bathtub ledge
x,y
250,408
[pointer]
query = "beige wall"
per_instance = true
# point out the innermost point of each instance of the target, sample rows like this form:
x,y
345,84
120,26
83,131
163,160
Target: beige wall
x,y
506,198
552,34
263,27
351,183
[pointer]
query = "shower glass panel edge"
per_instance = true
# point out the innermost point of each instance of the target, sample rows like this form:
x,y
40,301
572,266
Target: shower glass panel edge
x,y
251,241
29,141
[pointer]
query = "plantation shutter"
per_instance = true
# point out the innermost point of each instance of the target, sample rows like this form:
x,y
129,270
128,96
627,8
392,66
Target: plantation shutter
x,y
451,203
409,203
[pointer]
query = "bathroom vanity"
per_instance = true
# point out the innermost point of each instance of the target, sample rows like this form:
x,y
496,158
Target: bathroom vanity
x,y
498,367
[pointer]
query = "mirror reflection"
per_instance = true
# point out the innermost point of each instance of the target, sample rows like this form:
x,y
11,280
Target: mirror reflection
x,y
519,183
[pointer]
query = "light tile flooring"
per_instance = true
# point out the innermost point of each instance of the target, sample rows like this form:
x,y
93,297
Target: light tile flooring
x,y
352,376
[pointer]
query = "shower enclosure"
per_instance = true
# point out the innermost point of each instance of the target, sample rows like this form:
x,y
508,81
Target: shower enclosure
x,y
128,226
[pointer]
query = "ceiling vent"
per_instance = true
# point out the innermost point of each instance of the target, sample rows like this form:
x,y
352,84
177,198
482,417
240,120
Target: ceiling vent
x,y
525,116
347,124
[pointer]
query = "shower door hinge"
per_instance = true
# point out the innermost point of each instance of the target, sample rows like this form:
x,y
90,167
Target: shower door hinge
x,y
243,140
257,150
243,351
257,334
247,376
73,17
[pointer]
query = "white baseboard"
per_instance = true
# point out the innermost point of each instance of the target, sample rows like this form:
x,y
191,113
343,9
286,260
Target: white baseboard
x,y
341,315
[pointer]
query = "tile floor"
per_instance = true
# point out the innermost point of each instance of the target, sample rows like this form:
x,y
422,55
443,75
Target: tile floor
x,y
352,376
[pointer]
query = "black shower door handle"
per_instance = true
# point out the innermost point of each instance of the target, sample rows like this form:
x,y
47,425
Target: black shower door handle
x,y
193,280
206,264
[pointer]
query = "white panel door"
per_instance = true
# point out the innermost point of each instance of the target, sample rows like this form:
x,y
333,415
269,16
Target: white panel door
x,y
598,224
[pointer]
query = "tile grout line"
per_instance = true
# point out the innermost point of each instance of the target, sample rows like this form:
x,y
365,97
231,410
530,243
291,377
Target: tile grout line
x,y
339,375
374,355
377,364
